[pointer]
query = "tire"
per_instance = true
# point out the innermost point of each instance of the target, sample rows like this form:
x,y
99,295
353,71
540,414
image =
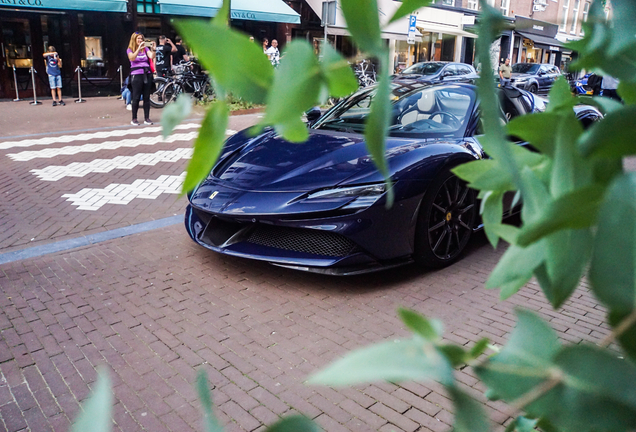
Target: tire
x,y
445,221
156,98
170,92
533,89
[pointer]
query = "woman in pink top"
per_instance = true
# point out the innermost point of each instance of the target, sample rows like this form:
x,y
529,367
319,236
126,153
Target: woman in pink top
x,y
140,55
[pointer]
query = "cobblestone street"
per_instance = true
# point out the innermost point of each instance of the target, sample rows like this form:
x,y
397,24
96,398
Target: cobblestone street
x,y
154,308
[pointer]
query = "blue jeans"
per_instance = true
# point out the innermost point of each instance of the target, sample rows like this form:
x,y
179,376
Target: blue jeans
x,y
126,96
55,81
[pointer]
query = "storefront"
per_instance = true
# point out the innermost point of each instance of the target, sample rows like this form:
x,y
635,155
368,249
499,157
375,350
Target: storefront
x,y
532,41
94,34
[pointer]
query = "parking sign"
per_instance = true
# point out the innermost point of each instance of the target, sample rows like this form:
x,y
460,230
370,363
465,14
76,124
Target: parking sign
x,y
411,36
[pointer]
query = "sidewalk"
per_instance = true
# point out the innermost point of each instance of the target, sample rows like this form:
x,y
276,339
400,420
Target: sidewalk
x,y
21,118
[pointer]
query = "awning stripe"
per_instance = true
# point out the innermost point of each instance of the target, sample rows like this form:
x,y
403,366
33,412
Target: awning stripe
x,y
252,10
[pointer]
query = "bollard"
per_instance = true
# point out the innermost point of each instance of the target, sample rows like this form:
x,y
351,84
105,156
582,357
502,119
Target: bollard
x,y
15,82
121,81
79,86
35,99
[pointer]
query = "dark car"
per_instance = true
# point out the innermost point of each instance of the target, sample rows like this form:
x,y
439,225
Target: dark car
x,y
321,206
432,72
534,77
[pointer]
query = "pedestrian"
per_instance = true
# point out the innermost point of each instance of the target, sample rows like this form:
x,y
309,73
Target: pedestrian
x,y
265,43
505,71
273,54
126,95
180,54
141,78
53,65
609,84
163,56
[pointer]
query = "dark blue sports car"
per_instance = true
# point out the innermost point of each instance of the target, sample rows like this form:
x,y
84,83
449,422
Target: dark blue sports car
x,y
321,206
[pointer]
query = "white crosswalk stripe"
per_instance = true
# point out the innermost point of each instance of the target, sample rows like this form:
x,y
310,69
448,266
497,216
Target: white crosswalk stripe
x,y
81,169
94,199
88,136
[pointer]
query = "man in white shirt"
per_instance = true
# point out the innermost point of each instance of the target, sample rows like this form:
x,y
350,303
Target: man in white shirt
x,y
273,54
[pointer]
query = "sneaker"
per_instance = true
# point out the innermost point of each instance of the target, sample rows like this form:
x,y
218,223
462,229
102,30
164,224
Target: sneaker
x,y
54,103
148,122
134,122
62,103
129,107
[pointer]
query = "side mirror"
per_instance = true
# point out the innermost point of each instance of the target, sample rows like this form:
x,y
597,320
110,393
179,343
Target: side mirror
x,y
541,73
447,74
313,114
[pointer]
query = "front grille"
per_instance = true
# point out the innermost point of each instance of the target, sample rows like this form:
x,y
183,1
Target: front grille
x,y
301,240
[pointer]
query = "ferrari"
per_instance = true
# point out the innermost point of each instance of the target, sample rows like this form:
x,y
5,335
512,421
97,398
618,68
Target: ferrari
x,y
321,206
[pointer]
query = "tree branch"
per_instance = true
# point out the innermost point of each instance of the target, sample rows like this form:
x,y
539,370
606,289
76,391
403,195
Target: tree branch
x,y
621,328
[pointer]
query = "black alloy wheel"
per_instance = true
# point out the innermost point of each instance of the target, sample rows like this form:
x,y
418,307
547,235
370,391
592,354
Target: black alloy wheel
x,y
445,221
533,89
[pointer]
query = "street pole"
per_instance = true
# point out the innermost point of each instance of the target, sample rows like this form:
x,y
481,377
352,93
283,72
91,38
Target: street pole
x,y
15,82
35,99
121,81
79,86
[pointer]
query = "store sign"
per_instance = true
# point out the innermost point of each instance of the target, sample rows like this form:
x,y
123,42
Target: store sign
x,y
243,15
553,48
412,29
537,27
32,3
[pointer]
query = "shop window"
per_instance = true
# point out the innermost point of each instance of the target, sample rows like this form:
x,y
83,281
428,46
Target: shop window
x,y
147,6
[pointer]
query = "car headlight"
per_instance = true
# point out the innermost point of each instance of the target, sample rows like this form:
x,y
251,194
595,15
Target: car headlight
x,y
361,196
522,81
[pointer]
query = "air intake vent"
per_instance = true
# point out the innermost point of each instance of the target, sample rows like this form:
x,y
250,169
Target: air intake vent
x,y
302,240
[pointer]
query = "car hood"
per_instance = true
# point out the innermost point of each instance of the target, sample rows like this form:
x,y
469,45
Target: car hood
x,y
269,163
517,75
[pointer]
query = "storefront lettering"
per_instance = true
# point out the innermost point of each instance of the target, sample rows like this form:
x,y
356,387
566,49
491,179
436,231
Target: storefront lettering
x,y
22,2
537,27
240,15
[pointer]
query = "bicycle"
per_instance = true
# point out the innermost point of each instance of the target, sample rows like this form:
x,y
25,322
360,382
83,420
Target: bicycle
x,y
184,79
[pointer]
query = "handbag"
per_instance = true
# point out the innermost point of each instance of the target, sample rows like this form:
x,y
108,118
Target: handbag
x,y
151,62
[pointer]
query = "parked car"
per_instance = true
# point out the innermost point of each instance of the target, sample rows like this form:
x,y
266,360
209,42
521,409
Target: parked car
x,y
534,77
433,72
321,206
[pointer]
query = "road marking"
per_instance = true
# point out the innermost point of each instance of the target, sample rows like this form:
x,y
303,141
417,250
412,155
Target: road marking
x,y
81,169
89,136
107,145
115,193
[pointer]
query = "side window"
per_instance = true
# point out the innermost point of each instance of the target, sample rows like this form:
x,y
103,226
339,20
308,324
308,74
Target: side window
x,y
451,70
464,70
555,70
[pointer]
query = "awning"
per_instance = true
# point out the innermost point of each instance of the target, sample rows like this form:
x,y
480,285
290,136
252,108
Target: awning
x,y
437,28
85,5
543,42
342,31
252,10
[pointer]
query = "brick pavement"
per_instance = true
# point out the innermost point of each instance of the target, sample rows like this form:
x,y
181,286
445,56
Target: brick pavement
x,y
155,308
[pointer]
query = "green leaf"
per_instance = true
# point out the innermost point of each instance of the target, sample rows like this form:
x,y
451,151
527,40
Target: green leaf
x,y
598,392
429,330
249,74
575,210
454,354
222,17
522,424
542,138
97,410
364,25
606,105
296,88
394,361
627,338
525,362
469,414
612,137
534,195
560,96
515,268
377,125
627,92
613,265
562,269
210,422
294,423
175,113
506,232
409,6
479,348
491,211
337,72
208,145
623,17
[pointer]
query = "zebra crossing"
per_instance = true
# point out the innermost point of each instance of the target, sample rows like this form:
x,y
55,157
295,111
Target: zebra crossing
x,y
93,199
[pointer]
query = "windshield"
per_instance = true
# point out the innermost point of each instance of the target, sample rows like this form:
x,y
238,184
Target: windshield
x,y
526,68
438,111
423,68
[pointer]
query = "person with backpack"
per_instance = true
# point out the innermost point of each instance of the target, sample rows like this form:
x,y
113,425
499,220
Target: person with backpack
x,y
141,79
53,65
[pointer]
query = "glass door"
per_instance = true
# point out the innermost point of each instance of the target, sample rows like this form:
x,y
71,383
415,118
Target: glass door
x,y
16,47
